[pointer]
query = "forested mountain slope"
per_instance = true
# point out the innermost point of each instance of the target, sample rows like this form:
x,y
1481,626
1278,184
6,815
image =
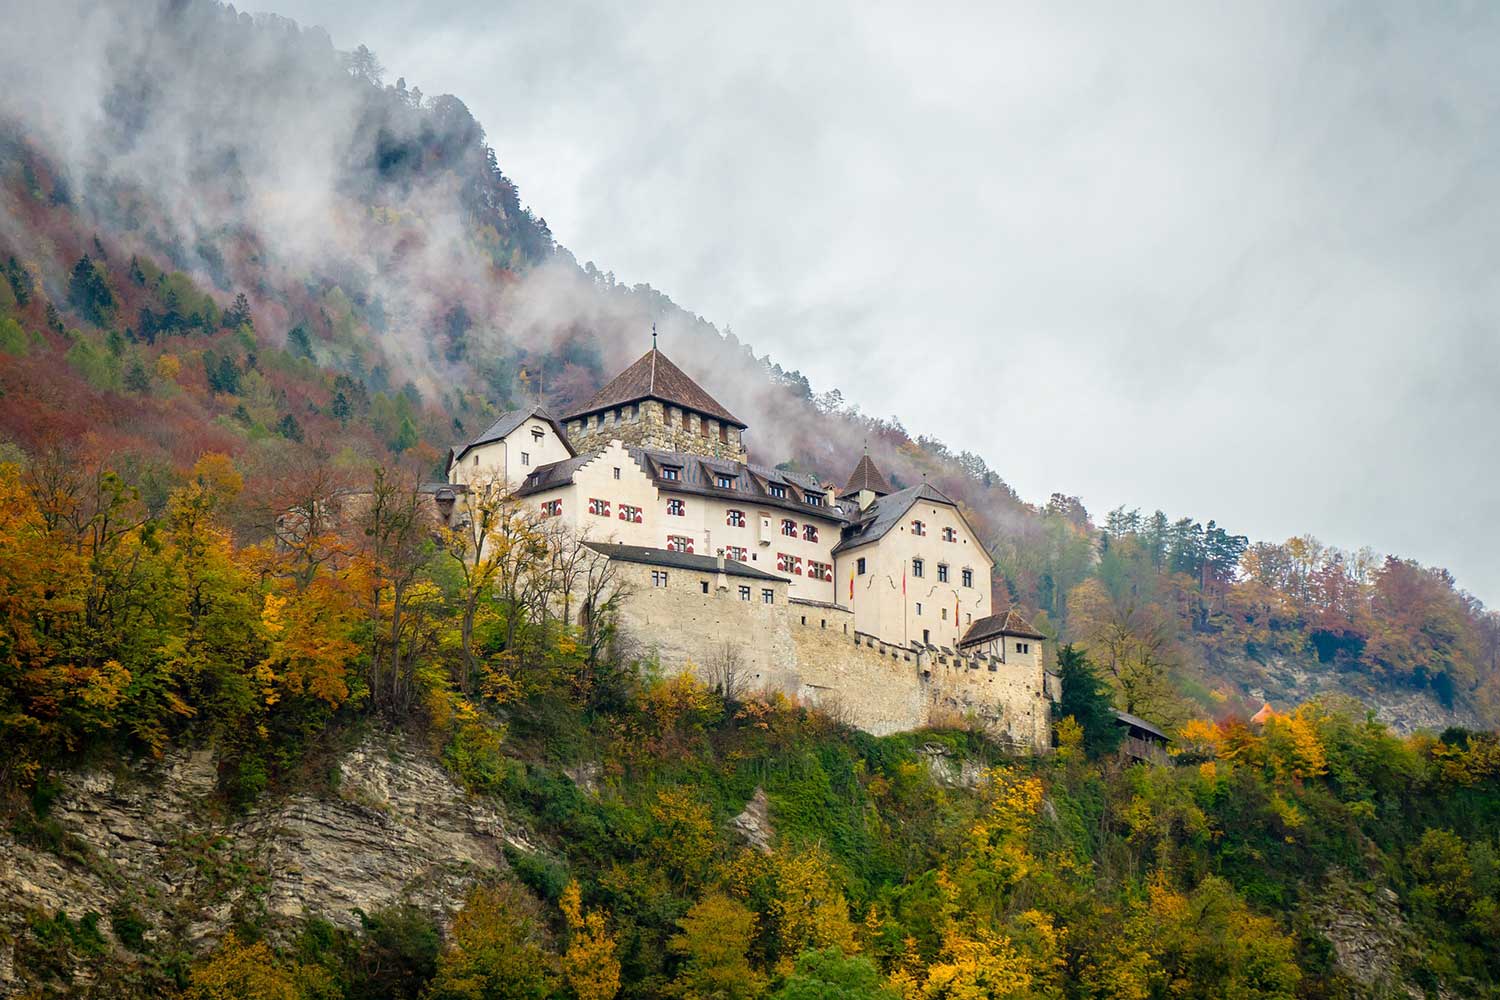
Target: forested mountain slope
x,y
342,755
229,237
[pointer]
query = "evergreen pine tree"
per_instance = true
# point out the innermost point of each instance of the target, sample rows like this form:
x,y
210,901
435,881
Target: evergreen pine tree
x,y
1086,698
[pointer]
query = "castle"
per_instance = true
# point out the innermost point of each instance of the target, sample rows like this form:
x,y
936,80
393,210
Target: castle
x,y
869,602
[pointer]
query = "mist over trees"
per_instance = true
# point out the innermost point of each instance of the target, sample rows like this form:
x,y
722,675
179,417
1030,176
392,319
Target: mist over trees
x,y
309,256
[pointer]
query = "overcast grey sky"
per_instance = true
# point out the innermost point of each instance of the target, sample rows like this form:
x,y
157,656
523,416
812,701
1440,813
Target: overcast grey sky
x,y
1229,261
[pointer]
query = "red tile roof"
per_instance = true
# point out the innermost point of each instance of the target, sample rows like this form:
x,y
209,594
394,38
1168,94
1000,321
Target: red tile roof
x,y
654,376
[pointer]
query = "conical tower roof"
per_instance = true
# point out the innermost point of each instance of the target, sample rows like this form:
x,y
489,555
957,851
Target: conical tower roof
x,y
866,477
654,376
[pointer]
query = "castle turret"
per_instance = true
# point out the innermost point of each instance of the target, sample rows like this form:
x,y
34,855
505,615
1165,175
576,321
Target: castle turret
x,y
655,404
866,484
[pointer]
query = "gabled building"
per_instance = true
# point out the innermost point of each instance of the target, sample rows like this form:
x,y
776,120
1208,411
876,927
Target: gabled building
x,y
875,598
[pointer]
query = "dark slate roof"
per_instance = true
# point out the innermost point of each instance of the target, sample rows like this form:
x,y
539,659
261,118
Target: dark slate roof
x,y
698,476
655,377
866,477
680,560
554,474
885,513
1136,722
1005,623
504,424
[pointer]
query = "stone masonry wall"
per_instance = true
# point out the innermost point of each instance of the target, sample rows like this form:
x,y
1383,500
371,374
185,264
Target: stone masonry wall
x,y
650,424
812,651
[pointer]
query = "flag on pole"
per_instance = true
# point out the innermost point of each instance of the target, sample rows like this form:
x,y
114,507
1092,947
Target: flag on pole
x,y
851,586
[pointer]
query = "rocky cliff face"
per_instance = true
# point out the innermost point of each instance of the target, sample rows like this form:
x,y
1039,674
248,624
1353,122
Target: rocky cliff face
x,y
146,849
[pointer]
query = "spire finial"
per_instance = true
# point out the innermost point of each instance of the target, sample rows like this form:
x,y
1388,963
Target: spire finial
x,y
653,335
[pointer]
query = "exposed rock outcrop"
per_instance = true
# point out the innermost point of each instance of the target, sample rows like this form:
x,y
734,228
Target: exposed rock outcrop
x,y
394,829
754,822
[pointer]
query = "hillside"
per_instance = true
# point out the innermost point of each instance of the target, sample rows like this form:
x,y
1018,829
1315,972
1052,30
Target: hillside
x,y
345,755
312,260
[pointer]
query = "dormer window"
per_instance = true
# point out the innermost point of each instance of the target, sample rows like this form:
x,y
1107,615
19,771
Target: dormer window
x,y
778,491
814,499
724,482
672,472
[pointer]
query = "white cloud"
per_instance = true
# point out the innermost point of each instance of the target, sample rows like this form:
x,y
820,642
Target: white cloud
x,y
1227,261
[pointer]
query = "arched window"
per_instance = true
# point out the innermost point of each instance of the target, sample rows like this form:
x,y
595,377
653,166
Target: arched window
x,y
789,527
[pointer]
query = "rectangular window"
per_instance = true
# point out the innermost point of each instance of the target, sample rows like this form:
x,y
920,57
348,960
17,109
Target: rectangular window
x,y
945,614
536,434
809,532
736,552
919,607
916,568
551,508
680,543
942,573
632,514
735,518
789,528
525,458
918,528
819,570
724,482
476,460
704,585
617,472
789,563
768,596
658,578
860,566
676,508
673,472
599,508
744,593
968,577
950,535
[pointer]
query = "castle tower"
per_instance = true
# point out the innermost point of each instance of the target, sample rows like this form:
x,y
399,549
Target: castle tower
x,y
866,484
655,404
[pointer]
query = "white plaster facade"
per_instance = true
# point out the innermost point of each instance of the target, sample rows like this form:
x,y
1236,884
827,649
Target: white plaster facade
x,y
894,580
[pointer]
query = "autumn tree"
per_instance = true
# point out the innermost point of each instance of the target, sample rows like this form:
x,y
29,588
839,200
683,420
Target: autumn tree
x,y
713,941
589,964
496,950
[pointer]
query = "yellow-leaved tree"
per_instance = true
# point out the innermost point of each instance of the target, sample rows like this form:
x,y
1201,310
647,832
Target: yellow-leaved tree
x,y
589,963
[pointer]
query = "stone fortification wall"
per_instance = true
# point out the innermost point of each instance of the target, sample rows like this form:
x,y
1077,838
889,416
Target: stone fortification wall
x,y
715,632
811,650
649,424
